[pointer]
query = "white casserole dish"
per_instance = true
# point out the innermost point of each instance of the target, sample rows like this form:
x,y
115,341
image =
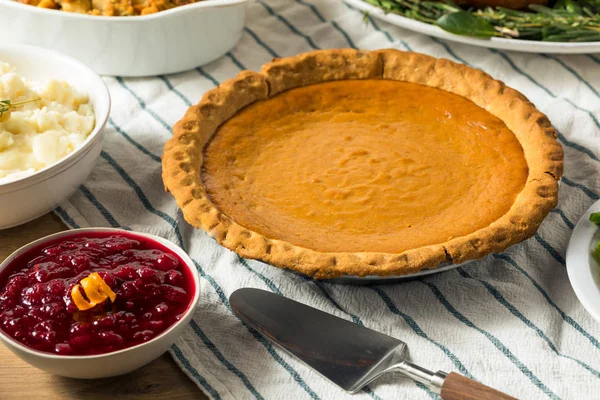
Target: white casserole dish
x,y
166,42
32,196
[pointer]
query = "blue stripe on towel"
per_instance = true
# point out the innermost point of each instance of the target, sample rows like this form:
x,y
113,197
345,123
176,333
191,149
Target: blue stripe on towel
x,y
207,76
314,9
287,23
493,339
576,146
174,90
66,218
344,34
184,361
593,58
591,194
378,29
564,315
211,346
417,329
86,192
573,72
513,310
142,104
235,61
140,194
549,249
261,43
566,220
263,278
133,142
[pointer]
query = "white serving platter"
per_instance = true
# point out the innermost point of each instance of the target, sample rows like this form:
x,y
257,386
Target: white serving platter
x,y
528,46
582,268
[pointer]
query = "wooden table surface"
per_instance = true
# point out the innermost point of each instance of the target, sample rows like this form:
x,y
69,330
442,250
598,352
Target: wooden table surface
x,y
161,379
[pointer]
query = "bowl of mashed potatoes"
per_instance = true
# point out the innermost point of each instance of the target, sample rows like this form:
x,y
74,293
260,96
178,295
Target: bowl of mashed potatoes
x,y
52,113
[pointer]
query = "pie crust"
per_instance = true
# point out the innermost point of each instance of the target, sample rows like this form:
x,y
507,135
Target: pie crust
x,y
183,159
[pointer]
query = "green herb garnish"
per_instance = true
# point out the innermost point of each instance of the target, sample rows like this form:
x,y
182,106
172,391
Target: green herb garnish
x,y
6,105
595,218
596,252
566,21
465,23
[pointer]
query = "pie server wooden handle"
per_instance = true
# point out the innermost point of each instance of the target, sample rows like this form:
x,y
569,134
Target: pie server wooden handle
x,y
450,386
458,387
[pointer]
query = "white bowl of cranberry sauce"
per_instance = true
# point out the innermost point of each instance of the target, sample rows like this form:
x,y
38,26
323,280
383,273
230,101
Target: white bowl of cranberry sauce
x,y
136,293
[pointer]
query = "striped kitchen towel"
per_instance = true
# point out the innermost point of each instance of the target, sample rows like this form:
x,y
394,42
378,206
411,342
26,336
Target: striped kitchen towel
x,y
511,320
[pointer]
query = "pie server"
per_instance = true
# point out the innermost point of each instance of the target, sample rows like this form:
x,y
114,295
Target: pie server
x,y
349,355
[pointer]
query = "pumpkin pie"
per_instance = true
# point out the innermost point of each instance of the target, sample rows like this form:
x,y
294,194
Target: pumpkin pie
x,y
344,162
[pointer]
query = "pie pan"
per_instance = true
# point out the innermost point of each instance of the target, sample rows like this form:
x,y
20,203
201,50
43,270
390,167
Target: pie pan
x,y
184,160
166,42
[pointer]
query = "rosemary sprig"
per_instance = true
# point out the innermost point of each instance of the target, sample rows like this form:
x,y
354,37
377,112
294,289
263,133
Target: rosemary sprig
x,y
7,105
564,21
595,218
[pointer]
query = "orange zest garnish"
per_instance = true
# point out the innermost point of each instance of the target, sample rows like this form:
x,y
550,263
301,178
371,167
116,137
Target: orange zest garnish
x,y
96,290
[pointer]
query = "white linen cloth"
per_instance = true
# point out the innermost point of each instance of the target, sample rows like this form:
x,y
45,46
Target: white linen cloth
x,y
511,321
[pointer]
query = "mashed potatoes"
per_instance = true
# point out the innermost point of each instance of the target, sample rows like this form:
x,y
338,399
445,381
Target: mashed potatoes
x,y
38,134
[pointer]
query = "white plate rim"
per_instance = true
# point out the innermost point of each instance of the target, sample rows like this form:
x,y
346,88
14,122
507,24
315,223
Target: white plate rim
x,y
580,262
527,46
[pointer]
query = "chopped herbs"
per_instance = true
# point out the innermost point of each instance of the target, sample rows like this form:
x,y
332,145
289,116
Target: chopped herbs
x,y
596,252
595,218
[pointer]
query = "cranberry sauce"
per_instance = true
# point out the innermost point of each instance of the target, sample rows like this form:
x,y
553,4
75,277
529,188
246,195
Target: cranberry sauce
x,y
152,285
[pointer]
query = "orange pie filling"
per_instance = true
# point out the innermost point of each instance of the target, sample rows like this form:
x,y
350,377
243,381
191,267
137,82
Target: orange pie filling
x,y
364,166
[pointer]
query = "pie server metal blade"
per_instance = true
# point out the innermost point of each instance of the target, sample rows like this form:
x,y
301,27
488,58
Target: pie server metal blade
x,y
347,354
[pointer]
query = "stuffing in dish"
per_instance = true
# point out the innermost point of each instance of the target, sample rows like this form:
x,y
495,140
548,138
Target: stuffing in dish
x,y
109,8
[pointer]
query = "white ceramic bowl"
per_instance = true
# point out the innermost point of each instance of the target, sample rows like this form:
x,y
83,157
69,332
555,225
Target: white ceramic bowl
x,y
582,268
166,42
32,196
117,362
